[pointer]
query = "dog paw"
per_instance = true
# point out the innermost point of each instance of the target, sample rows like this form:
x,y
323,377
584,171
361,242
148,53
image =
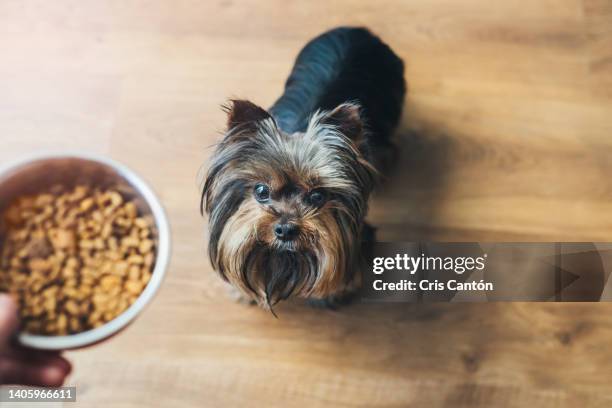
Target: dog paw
x,y
240,297
332,302
326,303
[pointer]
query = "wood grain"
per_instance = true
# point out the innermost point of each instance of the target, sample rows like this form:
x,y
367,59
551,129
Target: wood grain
x,y
506,136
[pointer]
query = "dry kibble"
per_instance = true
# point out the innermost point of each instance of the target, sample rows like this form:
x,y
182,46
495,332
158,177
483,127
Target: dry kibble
x,y
70,292
86,204
72,262
134,287
49,305
115,199
85,290
131,211
145,246
74,258
69,272
134,273
141,223
123,304
61,239
107,230
122,267
149,259
62,323
86,244
75,324
109,282
135,259
130,241
38,264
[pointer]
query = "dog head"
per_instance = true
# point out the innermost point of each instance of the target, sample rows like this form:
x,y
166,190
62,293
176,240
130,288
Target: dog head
x,y
285,210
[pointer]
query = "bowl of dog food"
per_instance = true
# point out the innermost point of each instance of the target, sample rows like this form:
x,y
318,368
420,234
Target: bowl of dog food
x,y
84,247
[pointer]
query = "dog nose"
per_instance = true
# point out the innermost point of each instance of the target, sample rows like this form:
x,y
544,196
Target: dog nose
x,y
286,231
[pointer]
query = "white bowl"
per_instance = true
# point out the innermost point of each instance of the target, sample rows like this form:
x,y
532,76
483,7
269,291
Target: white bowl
x,y
33,174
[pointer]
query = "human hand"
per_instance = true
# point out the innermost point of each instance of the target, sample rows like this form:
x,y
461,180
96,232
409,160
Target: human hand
x,y
19,365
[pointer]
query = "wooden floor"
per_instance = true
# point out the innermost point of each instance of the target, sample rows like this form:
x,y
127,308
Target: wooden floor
x,y
507,135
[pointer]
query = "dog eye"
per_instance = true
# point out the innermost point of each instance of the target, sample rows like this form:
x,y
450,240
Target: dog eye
x,y
262,192
316,198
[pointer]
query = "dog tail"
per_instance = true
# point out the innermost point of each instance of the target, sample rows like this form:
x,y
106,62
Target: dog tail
x,y
342,65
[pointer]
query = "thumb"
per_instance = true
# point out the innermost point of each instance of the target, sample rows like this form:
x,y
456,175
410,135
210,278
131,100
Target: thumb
x,y
8,318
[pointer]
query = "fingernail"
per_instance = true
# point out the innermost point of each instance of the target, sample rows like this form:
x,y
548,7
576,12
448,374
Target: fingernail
x,y
53,376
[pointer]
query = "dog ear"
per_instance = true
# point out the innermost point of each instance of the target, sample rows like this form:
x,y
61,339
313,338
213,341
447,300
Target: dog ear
x,y
347,119
243,112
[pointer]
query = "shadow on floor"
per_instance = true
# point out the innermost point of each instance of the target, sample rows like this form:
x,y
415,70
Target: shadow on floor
x,y
406,205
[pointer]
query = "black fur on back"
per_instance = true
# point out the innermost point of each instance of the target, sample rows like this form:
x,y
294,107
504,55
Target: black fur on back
x,y
346,64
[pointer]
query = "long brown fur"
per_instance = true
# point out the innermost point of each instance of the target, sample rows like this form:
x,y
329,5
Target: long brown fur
x,y
287,189
323,259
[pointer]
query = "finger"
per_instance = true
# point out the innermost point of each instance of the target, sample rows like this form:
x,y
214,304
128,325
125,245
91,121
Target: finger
x,y
41,357
55,359
8,318
14,371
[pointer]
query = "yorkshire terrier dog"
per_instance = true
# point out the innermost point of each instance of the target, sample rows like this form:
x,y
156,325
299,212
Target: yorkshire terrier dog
x,y
287,189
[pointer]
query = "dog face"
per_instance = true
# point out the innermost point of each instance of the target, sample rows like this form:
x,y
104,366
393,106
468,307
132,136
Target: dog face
x,y
285,210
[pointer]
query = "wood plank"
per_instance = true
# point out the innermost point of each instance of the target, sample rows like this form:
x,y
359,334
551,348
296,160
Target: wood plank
x,y
505,136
